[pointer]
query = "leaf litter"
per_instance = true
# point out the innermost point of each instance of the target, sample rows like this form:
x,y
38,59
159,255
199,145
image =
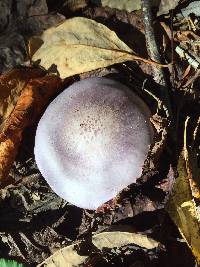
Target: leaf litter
x,y
29,106
80,45
25,95
181,205
69,256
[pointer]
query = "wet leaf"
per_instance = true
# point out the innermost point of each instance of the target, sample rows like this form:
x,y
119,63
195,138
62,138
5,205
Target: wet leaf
x,y
182,207
80,45
29,106
69,257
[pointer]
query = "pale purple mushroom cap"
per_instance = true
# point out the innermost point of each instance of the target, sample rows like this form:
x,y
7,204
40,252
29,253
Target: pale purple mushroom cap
x,y
92,141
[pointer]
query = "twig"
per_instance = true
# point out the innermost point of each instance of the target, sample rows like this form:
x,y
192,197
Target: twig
x,y
154,54
181,51
183,54
172,49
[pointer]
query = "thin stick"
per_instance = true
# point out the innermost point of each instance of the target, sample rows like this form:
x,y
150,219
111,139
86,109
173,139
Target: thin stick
x,y
154,54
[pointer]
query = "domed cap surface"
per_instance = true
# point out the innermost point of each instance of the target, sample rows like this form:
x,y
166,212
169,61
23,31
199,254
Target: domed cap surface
x,y
92,141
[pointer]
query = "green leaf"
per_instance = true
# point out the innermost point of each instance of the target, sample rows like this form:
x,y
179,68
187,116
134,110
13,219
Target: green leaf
x,y
10,263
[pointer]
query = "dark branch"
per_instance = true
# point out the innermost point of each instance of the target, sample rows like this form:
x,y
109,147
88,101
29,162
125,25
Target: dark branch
x,y
154,54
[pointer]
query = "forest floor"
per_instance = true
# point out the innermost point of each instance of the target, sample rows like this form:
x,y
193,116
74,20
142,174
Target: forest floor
x,y
34,221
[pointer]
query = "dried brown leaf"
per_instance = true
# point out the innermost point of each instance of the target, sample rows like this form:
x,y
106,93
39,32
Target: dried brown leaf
x,y
8,151
11,86
29,106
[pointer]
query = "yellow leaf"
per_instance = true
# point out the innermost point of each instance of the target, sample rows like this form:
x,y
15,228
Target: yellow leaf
x,y
79,45
190,153
128,5
119,239
65,257
182,207
69,257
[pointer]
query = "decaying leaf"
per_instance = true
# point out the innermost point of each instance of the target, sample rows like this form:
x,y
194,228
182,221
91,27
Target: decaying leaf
x,y
192,8
166,6
8,150
29,106
11,86
66,257
119,239
74,5
127,5
182,207
69,257
193,171
79,45
193,162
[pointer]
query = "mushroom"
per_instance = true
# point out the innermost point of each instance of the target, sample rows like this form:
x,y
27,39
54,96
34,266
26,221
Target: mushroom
x,y
92,140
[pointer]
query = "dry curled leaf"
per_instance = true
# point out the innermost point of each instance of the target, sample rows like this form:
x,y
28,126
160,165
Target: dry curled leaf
x,y
190,154
182,207
119,239
69,257
29,106
11,86
80,45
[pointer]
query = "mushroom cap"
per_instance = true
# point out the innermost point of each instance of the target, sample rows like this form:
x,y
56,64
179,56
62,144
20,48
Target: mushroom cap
x,y
92,140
